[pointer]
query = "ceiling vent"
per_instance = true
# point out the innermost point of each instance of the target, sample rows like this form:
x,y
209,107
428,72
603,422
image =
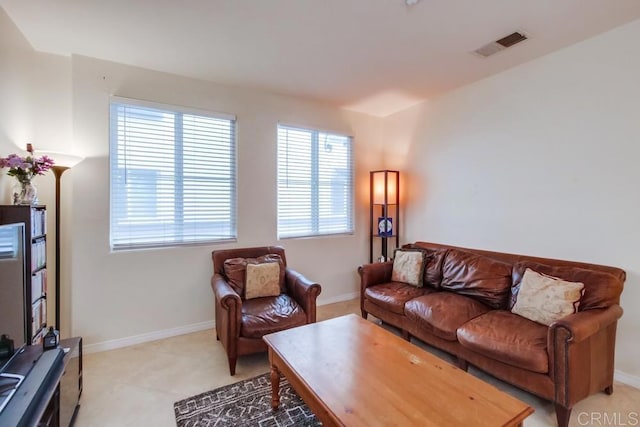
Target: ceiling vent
x,y
502,44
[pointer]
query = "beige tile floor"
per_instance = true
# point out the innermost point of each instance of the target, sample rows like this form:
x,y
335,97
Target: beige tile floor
x,y
137,386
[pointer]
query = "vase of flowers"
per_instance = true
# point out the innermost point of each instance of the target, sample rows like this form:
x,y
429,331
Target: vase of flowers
x,y
24,169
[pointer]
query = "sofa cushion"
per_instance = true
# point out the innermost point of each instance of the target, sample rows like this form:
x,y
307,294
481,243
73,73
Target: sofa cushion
x,y
545,299
393,295
601,290
408,267
442,313
508,338
478,276
261,316
235,270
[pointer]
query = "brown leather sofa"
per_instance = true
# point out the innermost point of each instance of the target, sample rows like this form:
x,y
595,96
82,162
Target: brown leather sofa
x,y
464,309
241,323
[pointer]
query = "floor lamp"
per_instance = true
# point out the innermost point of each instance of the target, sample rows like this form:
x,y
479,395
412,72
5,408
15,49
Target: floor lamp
x,y
62,163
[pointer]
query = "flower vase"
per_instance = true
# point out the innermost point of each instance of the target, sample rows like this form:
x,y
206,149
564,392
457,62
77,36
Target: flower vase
x,y
25,193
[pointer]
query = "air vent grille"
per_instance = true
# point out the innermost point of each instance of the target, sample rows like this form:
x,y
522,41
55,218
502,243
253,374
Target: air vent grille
x,y
501,44
512,39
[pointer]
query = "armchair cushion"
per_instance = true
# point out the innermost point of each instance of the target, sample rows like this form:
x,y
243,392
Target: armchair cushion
x,y
235,269
261,316
262,280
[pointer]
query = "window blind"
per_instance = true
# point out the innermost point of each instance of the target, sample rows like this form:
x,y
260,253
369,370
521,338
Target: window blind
x,y
315,183
173,176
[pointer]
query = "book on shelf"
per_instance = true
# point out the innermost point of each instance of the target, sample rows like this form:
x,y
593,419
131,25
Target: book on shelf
x,y
39,316
38,222
38,254
38,285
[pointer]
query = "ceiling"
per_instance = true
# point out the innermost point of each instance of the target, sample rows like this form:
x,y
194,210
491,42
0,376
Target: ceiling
x,y
373,56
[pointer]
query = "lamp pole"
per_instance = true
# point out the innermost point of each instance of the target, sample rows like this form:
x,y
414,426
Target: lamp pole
x,y
58,171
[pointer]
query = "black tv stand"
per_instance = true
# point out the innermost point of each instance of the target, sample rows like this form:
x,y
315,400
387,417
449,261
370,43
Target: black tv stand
x,y
50,393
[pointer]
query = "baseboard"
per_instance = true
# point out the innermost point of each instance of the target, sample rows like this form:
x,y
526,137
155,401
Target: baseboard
x,y
181,330
150,336
623,377
339,298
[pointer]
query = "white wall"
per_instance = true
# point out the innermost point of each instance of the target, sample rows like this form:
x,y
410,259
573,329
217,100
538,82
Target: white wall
x,y
35,107
124,294
541,159
61,104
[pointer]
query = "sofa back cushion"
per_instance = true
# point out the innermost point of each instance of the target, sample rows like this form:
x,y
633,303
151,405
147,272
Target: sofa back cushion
x,y
601,289
477,276
432,264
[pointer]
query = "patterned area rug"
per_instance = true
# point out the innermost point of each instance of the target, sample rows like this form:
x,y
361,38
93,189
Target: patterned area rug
x,y
245,403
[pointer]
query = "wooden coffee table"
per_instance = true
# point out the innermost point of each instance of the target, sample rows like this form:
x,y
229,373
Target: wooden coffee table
x,y
352,372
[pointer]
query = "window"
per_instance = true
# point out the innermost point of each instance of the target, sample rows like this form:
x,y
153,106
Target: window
x,y
173,176
315,183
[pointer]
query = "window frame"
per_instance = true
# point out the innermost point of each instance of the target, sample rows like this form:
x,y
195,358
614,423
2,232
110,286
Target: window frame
x,y
177,110
315,132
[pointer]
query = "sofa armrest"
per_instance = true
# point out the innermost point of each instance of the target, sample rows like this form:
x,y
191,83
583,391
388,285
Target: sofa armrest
x,y
583,324
581,350
374,274
304,291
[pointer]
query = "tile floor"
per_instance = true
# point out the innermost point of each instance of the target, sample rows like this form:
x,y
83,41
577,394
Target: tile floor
x,y
137,385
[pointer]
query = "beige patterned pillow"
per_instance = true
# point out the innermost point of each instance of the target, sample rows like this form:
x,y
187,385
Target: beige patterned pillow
x,y
545,299
262,280
408,267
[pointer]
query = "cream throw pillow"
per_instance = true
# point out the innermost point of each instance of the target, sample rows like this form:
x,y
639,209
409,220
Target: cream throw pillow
x,y
263,280
545,299
408,267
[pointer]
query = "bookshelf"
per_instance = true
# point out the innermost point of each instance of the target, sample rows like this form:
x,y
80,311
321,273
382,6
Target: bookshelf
x,y
35,220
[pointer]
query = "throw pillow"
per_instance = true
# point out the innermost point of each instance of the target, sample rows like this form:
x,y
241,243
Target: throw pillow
x,y
408,267
262,280
545,299
235,270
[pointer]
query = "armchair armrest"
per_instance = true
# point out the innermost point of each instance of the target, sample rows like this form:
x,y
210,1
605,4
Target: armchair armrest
x,y
374,274
304,291
583,324
224,293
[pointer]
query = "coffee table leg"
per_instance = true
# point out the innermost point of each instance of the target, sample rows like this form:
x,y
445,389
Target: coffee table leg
x,y
275,387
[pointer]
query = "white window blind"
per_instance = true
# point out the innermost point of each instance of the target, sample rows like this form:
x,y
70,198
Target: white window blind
x,y
173,176
315,183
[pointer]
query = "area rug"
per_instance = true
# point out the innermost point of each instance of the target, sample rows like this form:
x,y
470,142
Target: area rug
x,y
245,403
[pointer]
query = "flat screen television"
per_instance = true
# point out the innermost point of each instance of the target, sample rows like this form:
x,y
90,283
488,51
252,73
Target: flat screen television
x,y
13,270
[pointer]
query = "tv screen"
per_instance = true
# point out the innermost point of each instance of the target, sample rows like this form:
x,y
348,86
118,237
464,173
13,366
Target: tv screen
x,y
12,285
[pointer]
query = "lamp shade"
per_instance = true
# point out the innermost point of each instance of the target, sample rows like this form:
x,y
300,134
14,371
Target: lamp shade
x,y
385,187
64,160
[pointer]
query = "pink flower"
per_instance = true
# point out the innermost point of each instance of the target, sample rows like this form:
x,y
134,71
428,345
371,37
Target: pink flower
x,y
25,168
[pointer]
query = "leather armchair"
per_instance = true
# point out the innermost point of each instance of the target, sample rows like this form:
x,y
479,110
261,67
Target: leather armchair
x,y
241,323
